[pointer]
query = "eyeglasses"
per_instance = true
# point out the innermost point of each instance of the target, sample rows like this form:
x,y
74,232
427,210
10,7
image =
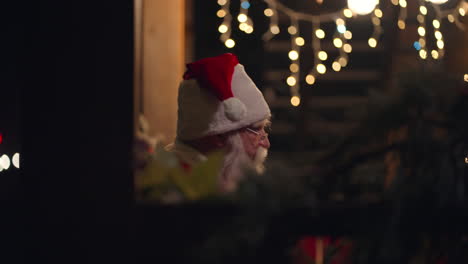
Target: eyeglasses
x,y
260,132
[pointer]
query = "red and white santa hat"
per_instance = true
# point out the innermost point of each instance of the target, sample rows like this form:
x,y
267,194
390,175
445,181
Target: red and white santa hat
x,y
217,96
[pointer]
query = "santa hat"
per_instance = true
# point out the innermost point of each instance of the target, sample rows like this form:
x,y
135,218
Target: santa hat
x,y
217,96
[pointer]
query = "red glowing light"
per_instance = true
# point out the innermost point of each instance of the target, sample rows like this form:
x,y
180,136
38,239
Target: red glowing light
x,y
1,138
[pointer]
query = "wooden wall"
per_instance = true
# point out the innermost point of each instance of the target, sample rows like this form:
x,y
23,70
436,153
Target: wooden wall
x,y
161,62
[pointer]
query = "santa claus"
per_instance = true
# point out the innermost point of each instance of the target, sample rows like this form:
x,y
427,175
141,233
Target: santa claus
x,y
220,108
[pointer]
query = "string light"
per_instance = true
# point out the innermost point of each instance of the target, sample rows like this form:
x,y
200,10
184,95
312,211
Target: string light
x,y
300,41
403,3
230,43
16,160
320,33
343,61
450,18
322,55
336,66
291,81
223,28
310,79
294,67
347,13
423,10
295,100
348,34
221,13
347,48
337,42
462,11
292,30
242,18
293,55
421,31
275,29
423,54
322,69
362,7
268,12
378,13
341,35
440,44
372,42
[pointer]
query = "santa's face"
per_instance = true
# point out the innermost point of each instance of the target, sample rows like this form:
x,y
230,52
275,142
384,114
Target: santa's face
x,y
255,139
245,150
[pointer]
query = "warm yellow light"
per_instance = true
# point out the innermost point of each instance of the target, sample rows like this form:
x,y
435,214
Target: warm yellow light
x,y
320,33
294,67
376,21
242,18
243,26
438,34
372,42
420,18
343,61
465,77
300,41
422,42
440,44
230,43
378,13
402,3
347,13
310,79
223,28
274,29
423,54
466,160
336,66
462,11
436,23
339,22
437,2
451,18
293,55
401,24
321,68
348,34
5,162
322,55
221,13
395,2
347,48
249,29
362,7
16,160
295,100
222,2
435,54
337,42
421,31
268,12
292,30
291,81
423,10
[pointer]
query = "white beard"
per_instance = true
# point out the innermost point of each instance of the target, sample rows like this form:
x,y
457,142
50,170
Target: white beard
x,y
236,162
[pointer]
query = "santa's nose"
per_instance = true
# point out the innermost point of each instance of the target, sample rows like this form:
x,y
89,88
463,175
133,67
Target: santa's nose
x,y
265,143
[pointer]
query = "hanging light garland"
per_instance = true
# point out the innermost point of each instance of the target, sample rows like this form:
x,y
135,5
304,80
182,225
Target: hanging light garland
x,y
342,34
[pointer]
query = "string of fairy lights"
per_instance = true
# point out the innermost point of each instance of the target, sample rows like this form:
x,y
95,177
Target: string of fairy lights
x,y
342,34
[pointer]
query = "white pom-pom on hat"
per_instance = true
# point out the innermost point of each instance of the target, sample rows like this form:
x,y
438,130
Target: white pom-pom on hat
x,y
234,109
